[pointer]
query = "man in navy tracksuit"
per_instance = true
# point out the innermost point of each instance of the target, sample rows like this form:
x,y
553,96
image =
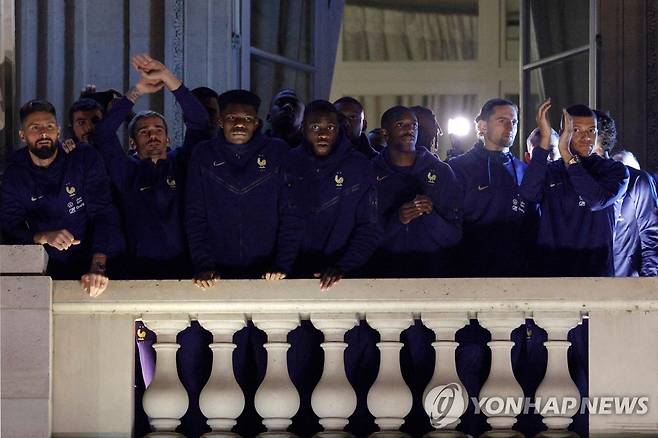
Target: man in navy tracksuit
x,y
60,200
150,187
329,208
635,242
576,195
497,221
419,203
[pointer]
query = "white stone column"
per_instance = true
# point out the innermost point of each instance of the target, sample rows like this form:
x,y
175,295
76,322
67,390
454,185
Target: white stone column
x,y
221,400
445,325
333,399
165,400
277,400
501,383
389,398
557,397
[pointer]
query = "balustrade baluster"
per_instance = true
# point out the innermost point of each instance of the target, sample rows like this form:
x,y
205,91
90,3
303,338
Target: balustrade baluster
x,y
165,400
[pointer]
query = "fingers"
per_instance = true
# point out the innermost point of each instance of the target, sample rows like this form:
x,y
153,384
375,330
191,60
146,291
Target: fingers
x,y
206,280
68,145
94,284
328,280
274,276
62,240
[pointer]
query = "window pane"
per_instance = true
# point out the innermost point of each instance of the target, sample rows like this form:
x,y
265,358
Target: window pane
x,y
512,30
557,26
566,82
414,30
268,77
283,27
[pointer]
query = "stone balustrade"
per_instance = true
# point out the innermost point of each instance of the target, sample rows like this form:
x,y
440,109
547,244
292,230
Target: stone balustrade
x,y
91,345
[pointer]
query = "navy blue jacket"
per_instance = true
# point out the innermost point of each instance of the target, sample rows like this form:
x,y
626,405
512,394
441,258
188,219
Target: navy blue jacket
x,y
362,144
498,225
73,193
577,213
417,249
328,211
232,205
636,228
151,195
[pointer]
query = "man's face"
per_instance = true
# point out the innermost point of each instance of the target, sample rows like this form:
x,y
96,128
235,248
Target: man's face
x,y
500,128
151,139
583,135
83,124
239,122
321,130
377,139
40,133
286,111
403,132
430,126
212,106
355,118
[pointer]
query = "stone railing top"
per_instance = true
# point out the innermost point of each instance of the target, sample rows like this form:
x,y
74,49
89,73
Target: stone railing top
x,y
364,296
23,259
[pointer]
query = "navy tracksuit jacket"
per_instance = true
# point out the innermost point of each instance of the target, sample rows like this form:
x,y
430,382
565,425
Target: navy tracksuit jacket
x,y
232,205
72,193
636,228
417,249
328,211
151,195
577,214
498,224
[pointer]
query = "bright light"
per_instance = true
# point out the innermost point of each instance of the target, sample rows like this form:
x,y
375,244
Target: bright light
x,y
459,126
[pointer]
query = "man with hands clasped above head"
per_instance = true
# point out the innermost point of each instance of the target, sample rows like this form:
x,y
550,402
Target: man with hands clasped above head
x,y
576,195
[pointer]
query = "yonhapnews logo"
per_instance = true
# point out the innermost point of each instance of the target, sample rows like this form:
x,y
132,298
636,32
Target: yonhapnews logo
x,y
444,404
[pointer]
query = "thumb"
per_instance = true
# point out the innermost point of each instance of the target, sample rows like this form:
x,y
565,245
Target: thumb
x,y
75,242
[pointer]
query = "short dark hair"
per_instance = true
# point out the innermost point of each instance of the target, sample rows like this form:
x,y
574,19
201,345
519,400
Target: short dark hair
x,y
490,105
143,115
391,114
580,110
320,106
205,93
607,128
286,92
241,97
349,100
36,106
83,104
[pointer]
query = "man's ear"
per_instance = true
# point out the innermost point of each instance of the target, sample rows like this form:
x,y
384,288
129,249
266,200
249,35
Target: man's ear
x,y
526,157
257,122
21,135
365,125
131,142
481,127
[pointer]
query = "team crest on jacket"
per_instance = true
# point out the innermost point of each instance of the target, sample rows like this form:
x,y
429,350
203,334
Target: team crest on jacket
x,y
261,161
171,182
339,179
431,177
70,189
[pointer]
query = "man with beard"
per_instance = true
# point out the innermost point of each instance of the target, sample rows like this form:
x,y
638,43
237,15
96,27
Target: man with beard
x,y
285,117
150,186
496,218
83,116
232,197
355,123
61,201
419,203
577,194
636,213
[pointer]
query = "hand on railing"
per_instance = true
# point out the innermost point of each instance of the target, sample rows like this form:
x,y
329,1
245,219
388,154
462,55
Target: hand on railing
x,y
206,280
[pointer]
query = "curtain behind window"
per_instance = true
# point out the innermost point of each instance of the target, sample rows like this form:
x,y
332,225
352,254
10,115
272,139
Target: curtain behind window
x,y
380,34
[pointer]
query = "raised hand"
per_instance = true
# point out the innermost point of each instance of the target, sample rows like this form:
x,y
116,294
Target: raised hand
x,y
544,124
155,71
60,239
565,137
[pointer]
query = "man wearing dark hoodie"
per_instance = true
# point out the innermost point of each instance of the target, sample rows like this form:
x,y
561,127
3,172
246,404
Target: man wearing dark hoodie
x,y
150,186
329,221
355,125
577,194
285,117
496,218
419,203
232,195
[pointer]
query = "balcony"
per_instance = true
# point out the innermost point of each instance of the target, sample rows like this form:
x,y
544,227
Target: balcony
x,y
68,360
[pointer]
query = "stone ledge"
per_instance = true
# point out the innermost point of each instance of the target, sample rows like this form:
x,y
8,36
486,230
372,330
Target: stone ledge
x,y
23,259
